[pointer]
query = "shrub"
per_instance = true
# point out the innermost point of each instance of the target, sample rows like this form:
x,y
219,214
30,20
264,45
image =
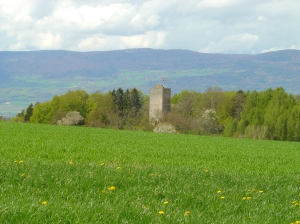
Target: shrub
x,y
72,118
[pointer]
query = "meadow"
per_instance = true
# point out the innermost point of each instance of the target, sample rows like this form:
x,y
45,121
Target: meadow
x,y
59,174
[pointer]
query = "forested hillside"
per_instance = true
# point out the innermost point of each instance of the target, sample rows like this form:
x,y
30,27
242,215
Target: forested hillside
x,y
37,76
269,114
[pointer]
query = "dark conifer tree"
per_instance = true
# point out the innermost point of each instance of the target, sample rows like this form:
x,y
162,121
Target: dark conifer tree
x,y
28,113
135,100
237,104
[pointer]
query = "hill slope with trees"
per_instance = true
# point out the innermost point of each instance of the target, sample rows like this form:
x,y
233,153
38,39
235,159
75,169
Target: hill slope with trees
x,y
39,75
271,114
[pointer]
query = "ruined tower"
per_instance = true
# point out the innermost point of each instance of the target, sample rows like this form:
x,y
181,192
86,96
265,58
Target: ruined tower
x,y
160,103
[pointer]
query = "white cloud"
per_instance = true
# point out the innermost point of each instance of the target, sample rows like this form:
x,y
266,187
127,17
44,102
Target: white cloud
x,y
92,44
228,26
48,41
292,47
142,24
217,3
239,43
261,18
17,46
150,39
87,17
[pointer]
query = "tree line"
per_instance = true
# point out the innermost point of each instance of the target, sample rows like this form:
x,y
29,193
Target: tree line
x,y
271,114
116,109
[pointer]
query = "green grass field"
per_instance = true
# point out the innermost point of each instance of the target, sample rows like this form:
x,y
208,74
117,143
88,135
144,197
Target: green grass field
x,y
58,174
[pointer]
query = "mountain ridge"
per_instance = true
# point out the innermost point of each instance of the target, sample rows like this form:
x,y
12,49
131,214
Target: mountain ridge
x,y
31,76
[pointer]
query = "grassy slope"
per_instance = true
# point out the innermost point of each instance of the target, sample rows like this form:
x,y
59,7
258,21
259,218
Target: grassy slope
x,y
62,166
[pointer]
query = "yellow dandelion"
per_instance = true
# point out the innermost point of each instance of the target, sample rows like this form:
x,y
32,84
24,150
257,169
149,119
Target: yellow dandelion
x,y
161,212
23,175
20,162
222,197
294,202
206,171
297,222
248,198
244,198
16,161
44,202
102,164
118,168
71,163
187,213
166,202
260,191
112,188
219,191
152,174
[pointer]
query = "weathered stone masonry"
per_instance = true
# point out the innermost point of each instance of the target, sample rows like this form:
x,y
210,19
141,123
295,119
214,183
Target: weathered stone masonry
x,y
160,103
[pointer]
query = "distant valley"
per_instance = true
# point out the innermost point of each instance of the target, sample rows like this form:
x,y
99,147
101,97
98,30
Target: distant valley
x,y
37,76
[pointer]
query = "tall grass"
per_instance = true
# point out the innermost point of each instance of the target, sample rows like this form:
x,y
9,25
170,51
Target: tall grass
x,y
57,174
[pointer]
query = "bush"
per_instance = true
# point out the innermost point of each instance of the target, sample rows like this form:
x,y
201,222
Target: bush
x,y
230,127
72,118
256,132
210,122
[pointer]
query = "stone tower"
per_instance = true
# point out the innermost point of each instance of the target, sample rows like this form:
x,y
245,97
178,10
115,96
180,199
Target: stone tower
x,y
160,103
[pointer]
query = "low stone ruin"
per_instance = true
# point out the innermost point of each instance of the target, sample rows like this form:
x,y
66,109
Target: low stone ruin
x,y
164,127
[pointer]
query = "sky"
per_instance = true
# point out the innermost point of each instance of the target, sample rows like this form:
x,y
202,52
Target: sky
x,y
208,26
